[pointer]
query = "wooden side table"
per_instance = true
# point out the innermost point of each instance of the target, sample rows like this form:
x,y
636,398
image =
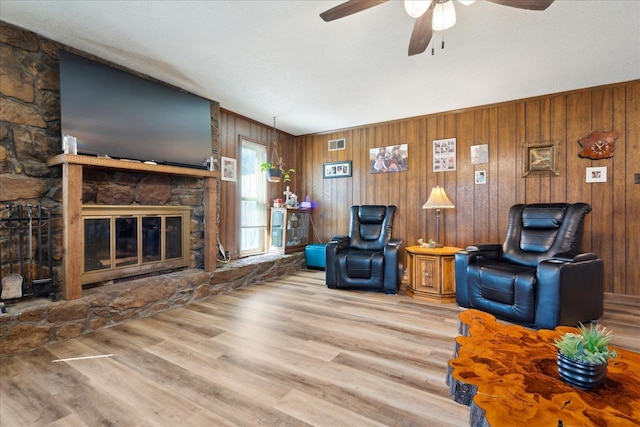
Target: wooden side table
x,y
431,273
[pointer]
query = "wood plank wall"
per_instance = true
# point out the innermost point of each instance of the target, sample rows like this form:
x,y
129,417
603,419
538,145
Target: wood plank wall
x,y
233,127
612,229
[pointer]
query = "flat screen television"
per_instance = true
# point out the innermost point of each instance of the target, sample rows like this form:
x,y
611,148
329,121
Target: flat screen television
x,y
115,113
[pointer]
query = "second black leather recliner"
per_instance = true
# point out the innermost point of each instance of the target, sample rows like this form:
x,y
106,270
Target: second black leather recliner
x,y
368,258
538,277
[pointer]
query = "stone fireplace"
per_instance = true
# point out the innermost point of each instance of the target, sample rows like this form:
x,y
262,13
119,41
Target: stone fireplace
x,y
141,248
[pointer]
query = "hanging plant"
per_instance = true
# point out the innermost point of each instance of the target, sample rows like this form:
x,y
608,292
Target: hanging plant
x,y
275,171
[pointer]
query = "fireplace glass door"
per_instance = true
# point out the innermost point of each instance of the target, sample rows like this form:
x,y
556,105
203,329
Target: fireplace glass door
x,y
97,252
122,241
126,241
151,238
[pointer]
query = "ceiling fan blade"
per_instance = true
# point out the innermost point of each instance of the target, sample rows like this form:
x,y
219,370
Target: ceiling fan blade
x,y
349,8
422,32
525,4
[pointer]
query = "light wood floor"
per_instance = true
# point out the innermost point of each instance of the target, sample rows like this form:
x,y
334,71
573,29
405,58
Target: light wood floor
x,y
286,353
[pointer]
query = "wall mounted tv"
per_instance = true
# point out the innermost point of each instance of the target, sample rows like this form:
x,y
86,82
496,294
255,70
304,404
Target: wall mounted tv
x,y
114,113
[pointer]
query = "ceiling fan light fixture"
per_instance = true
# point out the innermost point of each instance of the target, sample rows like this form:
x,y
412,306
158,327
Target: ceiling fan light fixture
x,y
467,2
444,15
416,8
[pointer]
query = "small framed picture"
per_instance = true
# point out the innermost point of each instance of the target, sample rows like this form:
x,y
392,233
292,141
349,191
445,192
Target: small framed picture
x,y
597,174
228,169
337,169
481,177
479,154
540,159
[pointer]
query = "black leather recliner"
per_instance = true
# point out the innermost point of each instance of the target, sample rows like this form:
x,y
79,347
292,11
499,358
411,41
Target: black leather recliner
x,y
366,259
537,277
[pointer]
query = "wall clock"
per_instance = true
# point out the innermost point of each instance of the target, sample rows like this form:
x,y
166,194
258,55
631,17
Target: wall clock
x,y
598,145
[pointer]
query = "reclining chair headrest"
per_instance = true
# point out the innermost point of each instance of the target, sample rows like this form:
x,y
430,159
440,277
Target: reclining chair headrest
x,y
544,216
371,214
371,226
539,231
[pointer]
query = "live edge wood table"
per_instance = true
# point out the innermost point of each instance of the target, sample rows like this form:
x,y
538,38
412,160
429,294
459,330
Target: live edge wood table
x,y
508,375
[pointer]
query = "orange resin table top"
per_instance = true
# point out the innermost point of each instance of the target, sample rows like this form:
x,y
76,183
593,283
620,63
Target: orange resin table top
x,y
514,370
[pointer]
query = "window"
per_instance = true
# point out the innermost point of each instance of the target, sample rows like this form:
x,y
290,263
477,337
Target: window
x,y
253,209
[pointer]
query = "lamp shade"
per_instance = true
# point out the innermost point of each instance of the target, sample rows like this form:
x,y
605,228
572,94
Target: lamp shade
x,y
438,199
416,8
444,15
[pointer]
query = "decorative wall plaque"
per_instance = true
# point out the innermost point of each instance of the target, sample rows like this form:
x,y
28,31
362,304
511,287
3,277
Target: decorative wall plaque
x,y
598,144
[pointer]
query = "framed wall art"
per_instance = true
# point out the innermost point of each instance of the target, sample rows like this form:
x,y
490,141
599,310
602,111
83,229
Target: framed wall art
x,y
228,168
337,169
392,158
540,159
479,154
597,174
481,177
444,155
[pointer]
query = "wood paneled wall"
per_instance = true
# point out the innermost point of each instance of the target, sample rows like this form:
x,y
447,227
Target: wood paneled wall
x,y
612,230
232,128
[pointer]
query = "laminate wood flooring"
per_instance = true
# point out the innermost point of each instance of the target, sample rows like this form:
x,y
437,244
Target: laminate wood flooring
x,y
289,352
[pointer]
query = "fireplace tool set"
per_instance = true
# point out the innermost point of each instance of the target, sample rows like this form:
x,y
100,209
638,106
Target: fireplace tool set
x,y
26,264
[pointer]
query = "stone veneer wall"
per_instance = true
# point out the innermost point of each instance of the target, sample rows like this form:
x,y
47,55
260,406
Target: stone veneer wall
x,y
30,133
39,322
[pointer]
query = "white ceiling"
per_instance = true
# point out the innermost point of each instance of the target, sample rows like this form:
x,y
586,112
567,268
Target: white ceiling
x,y
278,58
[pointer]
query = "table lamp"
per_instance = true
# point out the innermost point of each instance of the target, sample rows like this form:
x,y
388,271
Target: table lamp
x,y
438,200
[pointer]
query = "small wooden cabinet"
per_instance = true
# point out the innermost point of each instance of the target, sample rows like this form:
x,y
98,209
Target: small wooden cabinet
x,y
431,273
289,230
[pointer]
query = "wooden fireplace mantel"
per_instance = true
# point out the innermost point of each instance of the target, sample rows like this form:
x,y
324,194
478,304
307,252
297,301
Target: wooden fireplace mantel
x,y
72,166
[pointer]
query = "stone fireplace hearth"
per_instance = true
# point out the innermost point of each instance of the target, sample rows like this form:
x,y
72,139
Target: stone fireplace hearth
x,y
37,322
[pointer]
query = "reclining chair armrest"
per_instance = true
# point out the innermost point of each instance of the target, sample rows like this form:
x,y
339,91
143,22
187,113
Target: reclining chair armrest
x,y
570,291
332,248
340,238
395,242
486,250
392,266
469,256
574,256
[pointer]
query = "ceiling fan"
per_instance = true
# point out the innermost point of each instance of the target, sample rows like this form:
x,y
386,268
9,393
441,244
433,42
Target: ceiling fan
x,y
431,15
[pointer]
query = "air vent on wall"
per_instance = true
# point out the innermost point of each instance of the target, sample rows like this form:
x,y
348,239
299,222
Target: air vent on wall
x,y
337,144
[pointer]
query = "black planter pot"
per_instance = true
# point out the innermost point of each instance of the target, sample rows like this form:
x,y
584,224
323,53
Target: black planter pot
x,y
274,175
585,376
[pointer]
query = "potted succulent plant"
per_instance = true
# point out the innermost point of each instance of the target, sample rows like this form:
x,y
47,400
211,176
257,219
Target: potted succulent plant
x,y
275,173
583,356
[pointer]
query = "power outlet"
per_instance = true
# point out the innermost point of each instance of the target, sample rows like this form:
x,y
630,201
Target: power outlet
x,y
636,178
